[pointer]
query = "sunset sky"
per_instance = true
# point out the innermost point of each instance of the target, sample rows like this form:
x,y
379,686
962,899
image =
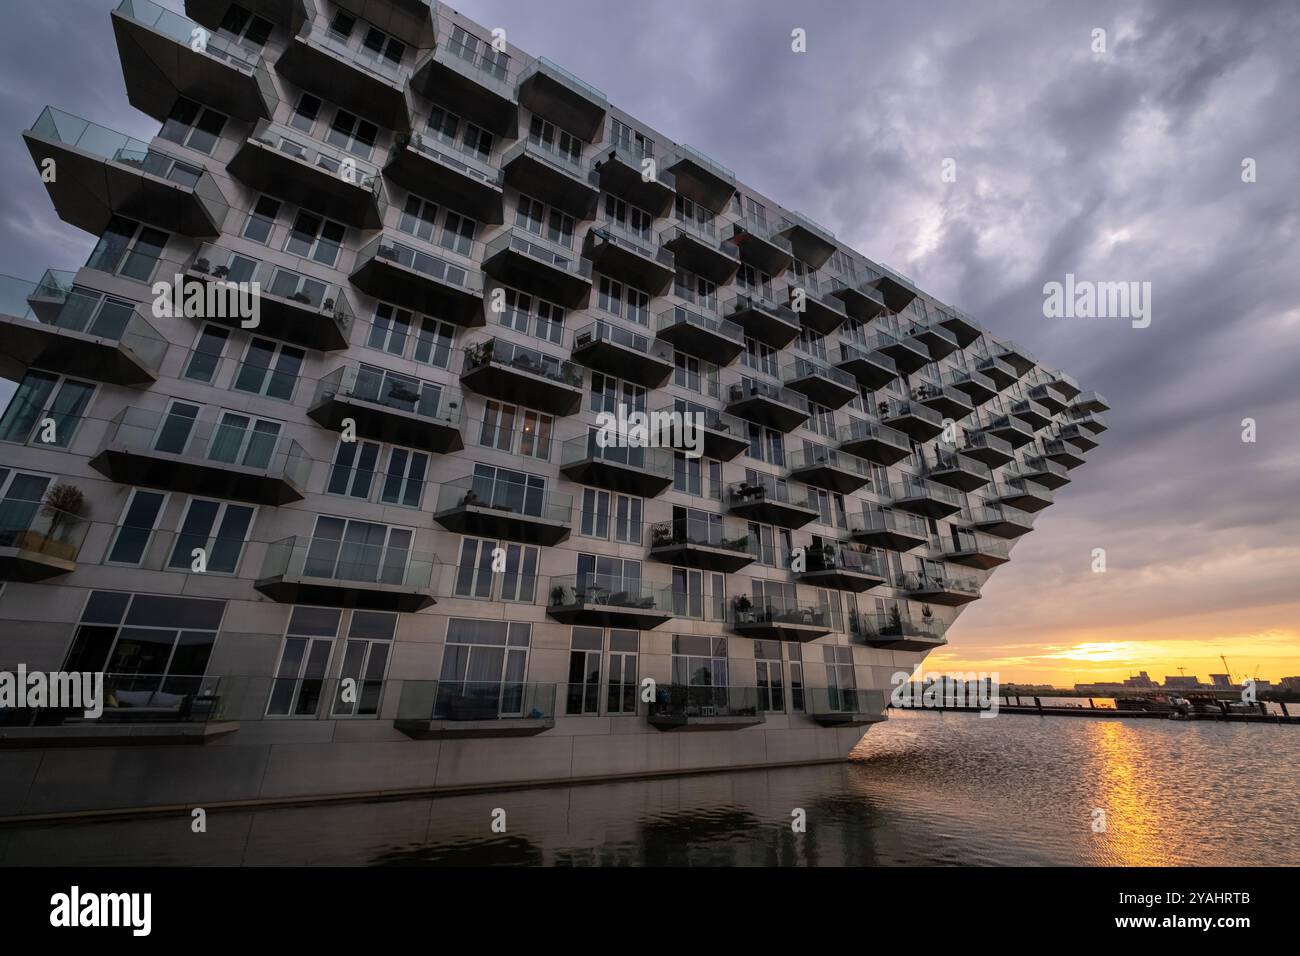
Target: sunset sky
x,y
1117,167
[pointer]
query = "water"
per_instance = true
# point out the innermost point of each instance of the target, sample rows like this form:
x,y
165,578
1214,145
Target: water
x,y
925,788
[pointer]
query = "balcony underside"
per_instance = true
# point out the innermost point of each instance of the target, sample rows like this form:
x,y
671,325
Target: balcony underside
x,y
623,362
905,642
620,262
760,252
694,340
875,450
291,14
157,69
90,190
117,730
820,315
823,390
768,327
703,257
385,424
1021,361
909,355
1003,375
1070,457
439,77
826,474
630,479
770,511
871,369
890,539
1084,441
311,67
617,177
843,718
1002,527
533,176
914,426
962,328
723,446
25,344
563,105
768,411
470,729
938,345
942,596
975,558
40,562
288,320
485,521
927,506
809,246
1025,500
261,166
394,282
842,579
963,479
978,392
993,457
689,722
507,383
155,469
422,172
1048,479
950,406
1035,419
361,595
703,556
702,185
642,617
896,295
408,20
1016,437
517,268
860,302
792,630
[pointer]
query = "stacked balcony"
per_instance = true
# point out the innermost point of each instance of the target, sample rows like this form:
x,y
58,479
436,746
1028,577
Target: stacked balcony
x,y
500,369
1042,470
898,632
897,291
693,543
889,529
429,164
623,354
521,258
1063,452
398,272
344,71
177,453
908,354
103,173
466,710
553,93
601,600
631,257
712,339
948,401
701,179
636,177
1021,493
823,384
1092,421
1067,385
290,14
292,306
57,327
1077,435
963,327
501,509
988,449
539,168
1047,398
845,567
37,541
816,307
1001,372
335,573
959,471
687,707
389,407
846,706
696,247
924,498
1001,520
645,472
767,404
163,57
763,319
1015,356
877,443
872,369
918,421
760,245
724,436
977,386
828,468
473,82
1090,402
1010,428
971,550
770,502
938,341
861,300
941,589
779,620
812,243
1035,413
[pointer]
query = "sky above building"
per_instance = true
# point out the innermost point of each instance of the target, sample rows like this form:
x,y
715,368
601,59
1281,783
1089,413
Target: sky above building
x,y
1122,166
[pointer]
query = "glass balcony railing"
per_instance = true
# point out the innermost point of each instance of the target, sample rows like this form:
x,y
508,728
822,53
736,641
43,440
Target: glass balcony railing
x,y
899,522
36,525
985,440
793,220
914,488
713,419
693,155
991,512
518,498
743,391
859,430
349,562
631,156
508,354
456,700
923,583
653,461
680,315
696,531
747,612
802,458
387,249
767,488
909,409
354,53
535,247
893,625
845,700
952,461
601,331
307,291
643,244
339,163
846,557
804,368
185,31
401,393
549,154
609,591
967,543
684,701
564,77
447,152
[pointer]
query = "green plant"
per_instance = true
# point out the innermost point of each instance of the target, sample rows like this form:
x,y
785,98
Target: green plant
x,y
661,533
479,353
557,595
742,604
63,504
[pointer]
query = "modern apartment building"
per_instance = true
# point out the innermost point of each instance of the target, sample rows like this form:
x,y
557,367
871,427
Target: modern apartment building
x,y
364,538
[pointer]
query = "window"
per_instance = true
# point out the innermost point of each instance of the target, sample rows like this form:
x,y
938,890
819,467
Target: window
x,y
218,528
136,526
840,681
796,677
610,574
247,29
821,420
305,113
632,218
475,578
623,649
261,220
584,670
539,219
270,368
688,211
347,550
608,393
768,676
484,664
404,483
479,52
699,661
304,662
46,409
766,444
690,372
241,439
812,343
128,249
599,506
511,429
365,661
173,436
390,329
418,218
433,342
516,491
316,238
384,46
755,280
829,601
625,136
696,289
688,592
353,470
521,309
20,503
554,139
193,126
761,358
458,233
206,356
353,134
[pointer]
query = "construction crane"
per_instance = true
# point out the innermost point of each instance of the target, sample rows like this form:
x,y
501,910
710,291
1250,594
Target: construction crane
x,y
1225,668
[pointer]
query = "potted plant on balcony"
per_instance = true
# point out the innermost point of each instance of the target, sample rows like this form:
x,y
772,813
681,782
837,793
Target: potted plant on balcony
x,y
201,265
926,613
65,506
744,608
300,296
661,534
220,272
557,595
480,353
895,625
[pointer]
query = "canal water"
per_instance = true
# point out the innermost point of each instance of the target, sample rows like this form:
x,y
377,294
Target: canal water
x,y
923,789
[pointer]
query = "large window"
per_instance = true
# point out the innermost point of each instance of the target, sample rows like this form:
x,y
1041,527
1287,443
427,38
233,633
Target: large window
x,y
304,662
699,661
270,368
584,670
21,494
484,666
128,249
347,550
46,409
476,579
314,237
136,527
217,528
533,316
193,126
768,676
606,514
365,662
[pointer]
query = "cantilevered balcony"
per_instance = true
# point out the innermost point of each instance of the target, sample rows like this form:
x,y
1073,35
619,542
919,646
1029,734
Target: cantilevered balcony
x,y
602,600
725,436
976,386
923,497
1028,410
823,384
103,173
762,318
344,71
281,161
645,472
174,452
941,589
871,369
779,620
389,407
1042,470
966,329
986,448
828,468
1063,452
948,401
958,471
971,550
1010,428
712,339
290,14
1047,398
912,418
1090,402
538,168
767,404
846,706
623,353
816,307
889,529
57,327
520,258
687,707
1002,372
1019,359
897,291
636,177
292,306
861,301
335,573
1066,384
38,542
844,567
427,164
897,632
1020,493
472,81
699,178
1076,434
770,502
497,368
938,341
498,508
696,248
163,58
396,272
469,710
908,353
1092,421
695,543
876,443
553,93
1003,521
631,257
759,244
812,243
411,21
